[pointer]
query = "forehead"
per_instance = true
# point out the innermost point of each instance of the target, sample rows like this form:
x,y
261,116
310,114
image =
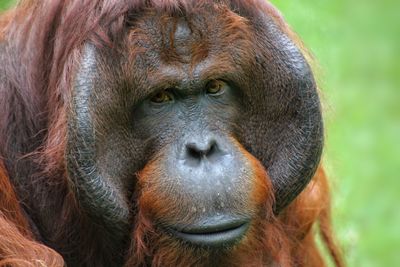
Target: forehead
x,y
209,39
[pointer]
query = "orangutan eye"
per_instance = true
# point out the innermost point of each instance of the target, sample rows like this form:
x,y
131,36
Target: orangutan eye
x,y
216,87
162,97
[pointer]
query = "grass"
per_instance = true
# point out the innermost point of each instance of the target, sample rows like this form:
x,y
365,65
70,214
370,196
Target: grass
x,y
356,43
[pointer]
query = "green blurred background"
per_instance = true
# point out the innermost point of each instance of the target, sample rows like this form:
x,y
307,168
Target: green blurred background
x,y
357,45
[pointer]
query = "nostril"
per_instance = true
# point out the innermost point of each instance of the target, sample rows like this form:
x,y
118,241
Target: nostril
x,y
198,151
193,152
213,150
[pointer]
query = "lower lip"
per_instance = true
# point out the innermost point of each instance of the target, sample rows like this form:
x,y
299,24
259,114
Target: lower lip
x,y
222,238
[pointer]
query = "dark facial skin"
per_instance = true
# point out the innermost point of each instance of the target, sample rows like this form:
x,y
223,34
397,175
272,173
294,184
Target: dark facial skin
x,y
190,104
203,161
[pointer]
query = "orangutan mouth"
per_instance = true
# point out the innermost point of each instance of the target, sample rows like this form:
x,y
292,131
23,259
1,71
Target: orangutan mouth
x,y
214,232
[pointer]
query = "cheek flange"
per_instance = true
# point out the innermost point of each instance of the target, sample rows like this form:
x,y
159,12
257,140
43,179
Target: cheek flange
x,y
97,195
